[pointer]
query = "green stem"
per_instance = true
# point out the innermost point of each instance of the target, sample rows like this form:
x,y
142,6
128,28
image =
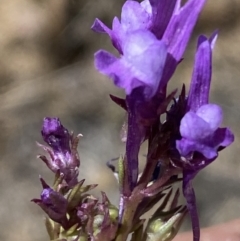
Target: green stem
x,y
130,205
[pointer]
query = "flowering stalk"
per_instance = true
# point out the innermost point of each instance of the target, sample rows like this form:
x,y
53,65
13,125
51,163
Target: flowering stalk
x,y
151,38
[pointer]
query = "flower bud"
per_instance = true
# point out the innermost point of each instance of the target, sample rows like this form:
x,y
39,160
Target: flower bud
x,y
52,203
165,230
62,150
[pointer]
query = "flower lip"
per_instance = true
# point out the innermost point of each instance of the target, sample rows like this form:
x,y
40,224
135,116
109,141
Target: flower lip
x,y
202,124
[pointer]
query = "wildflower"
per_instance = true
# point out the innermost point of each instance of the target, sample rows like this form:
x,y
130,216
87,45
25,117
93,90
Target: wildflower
x,y
200,126
151,38
201,135
143,56
141,64
62,151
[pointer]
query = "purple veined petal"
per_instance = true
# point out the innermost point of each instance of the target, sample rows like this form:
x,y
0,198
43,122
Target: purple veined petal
x,y
212,114
180,27
118,34
189,195
168,71
134,16
162,12
201,77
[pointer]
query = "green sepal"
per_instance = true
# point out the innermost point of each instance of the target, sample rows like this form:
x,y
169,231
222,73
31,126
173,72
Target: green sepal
x,y
113,213
75,195
49,224
73,231
58,180
121,172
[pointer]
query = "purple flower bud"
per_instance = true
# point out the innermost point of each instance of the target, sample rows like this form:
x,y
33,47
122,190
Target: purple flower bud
x,y
55,135
63,152
52,203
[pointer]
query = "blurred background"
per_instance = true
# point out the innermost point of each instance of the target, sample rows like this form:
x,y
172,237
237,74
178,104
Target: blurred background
x,y
46,69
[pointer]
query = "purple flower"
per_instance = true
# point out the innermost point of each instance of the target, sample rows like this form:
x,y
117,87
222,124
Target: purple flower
x,y
201,135
63,153
52,203
151,38
200,127
141,64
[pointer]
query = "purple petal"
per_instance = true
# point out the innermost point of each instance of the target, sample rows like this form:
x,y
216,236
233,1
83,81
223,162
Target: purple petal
x,y
117,70
222,138
180,27
141,65
201,77
212,114
116,34
99,27
208,146
147,6
168,71
187,147
103,60
161,14
134,16
194,128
